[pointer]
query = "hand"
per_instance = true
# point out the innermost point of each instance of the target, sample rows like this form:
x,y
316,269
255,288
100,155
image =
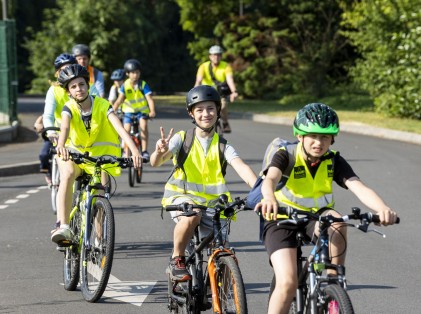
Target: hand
x,y
62,152
137,159
38,127
266,207
233,95
152,114
387,217
163,142
53,137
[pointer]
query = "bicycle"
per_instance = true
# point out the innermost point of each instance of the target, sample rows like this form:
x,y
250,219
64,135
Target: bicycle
x,y
88,256
317,292
219,278
55,174
135,174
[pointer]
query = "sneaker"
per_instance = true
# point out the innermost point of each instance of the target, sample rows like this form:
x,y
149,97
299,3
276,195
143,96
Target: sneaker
x,y
177,269
227,128
145,156
48,180
62,234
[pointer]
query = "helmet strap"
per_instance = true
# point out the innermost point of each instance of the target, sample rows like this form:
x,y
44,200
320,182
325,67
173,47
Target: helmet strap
x,y
207,130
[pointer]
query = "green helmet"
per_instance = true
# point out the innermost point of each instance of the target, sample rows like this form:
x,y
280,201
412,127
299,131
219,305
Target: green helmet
x,y
316,118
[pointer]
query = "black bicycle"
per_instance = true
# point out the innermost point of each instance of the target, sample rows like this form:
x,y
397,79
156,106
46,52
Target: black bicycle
x,y
216,282
317,292
88,256
135,174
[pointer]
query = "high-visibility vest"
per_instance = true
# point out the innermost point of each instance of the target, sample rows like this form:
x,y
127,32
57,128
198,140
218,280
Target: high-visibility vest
x,y
135,99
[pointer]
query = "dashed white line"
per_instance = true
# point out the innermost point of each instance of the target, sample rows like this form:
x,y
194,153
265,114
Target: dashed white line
x,y
3,206
32,191
20,196
12,201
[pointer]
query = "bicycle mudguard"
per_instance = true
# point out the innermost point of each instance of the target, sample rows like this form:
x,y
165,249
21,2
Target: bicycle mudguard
x,y
212,275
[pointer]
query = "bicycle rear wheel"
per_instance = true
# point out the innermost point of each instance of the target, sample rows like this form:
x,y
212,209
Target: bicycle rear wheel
x,y
139,173
98,259
55,181
72,256
231,292
336,300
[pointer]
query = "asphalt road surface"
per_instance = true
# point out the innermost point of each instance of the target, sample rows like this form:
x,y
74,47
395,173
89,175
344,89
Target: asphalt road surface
x,y
383,273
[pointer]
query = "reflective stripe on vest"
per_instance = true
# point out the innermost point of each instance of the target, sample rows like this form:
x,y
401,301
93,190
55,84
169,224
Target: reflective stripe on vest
x,y
202,179
135,99
304,192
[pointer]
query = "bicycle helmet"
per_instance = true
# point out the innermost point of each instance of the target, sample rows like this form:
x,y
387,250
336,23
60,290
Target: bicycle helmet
x,y
131,65
118,75
215,50
63,59
81,50
70,73
203,93
316,118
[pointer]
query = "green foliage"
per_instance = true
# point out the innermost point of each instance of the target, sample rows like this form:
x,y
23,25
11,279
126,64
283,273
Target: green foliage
x,y
115,31
387,33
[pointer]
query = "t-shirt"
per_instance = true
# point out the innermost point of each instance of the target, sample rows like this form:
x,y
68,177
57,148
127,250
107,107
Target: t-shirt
x,y
341,172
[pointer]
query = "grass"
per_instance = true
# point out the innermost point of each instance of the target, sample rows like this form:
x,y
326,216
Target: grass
x,y
350,108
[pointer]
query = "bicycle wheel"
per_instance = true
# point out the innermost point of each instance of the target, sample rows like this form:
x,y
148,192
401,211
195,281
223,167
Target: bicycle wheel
x,y
98,259
72,256
139,173
55,181
336,300
231,292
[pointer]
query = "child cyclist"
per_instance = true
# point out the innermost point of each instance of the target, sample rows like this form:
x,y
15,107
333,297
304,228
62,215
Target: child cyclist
x,y
309,187
118,79
91,126
136,99
202,178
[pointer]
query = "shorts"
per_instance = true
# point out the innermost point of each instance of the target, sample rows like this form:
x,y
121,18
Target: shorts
x,y
206,224
128,116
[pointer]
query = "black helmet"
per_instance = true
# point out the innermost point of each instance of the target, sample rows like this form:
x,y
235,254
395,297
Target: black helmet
x,y
81,50
131,65
71,72
316,118
203,93
64,58
118,75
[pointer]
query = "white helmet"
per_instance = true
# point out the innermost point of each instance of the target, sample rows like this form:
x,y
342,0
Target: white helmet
x,y
215,50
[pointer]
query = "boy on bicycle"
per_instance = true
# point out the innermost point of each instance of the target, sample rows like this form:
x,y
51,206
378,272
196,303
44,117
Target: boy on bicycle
x,y
136,99
309,187
200,179
91,126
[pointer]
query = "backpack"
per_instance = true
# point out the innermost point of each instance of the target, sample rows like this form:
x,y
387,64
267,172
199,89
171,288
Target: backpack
x,y
187,145
255,194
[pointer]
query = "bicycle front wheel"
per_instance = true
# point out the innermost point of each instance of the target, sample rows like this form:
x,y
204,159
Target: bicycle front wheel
x,y
97,259
231,292
72,256
336,300
55,181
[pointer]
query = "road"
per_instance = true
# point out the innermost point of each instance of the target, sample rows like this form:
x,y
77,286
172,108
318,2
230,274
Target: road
x,y
383,273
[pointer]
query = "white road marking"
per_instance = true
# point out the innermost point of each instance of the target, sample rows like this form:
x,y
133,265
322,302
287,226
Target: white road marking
x,y
22,196
32,191
42,187
13,201
3,206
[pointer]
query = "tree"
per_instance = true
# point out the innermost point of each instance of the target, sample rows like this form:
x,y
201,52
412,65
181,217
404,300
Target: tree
x,y
387,34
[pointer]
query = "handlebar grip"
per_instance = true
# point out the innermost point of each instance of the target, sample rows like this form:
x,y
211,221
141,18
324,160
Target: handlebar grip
x,y
172,208
376,219
45,130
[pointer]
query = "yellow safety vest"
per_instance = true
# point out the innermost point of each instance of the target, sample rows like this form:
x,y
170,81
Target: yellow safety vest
x,y
220,72
202,179
304,192
102,138
61,97
135,99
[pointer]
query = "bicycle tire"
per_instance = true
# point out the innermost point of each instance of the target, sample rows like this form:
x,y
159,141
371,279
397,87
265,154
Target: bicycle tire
x,y
139,173
71,266
231,293
338,295
55,181
292,308
97,261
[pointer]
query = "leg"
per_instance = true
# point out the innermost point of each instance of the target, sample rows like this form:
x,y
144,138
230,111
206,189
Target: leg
x,y
44,157
224,115
284,262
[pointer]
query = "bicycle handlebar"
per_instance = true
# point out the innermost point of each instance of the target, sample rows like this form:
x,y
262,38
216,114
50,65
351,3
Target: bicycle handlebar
x,y
79,158
228,208
45,130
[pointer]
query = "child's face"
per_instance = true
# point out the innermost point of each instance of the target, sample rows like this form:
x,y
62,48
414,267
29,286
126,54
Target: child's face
x,y
205,114
78,89
316,145
134,75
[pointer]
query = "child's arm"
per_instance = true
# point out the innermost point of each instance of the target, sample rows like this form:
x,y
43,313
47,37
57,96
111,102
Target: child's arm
x,y
120,99
151,104
38,126
372,200
244,171
162,152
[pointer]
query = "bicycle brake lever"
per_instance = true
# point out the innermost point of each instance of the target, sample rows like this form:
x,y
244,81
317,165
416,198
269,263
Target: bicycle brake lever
x,y
364,228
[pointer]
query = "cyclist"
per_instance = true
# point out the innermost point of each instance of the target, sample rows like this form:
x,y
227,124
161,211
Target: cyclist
x,y
118,79
216,72
91,126
309,187
201,179
82,54
55,99
136,100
